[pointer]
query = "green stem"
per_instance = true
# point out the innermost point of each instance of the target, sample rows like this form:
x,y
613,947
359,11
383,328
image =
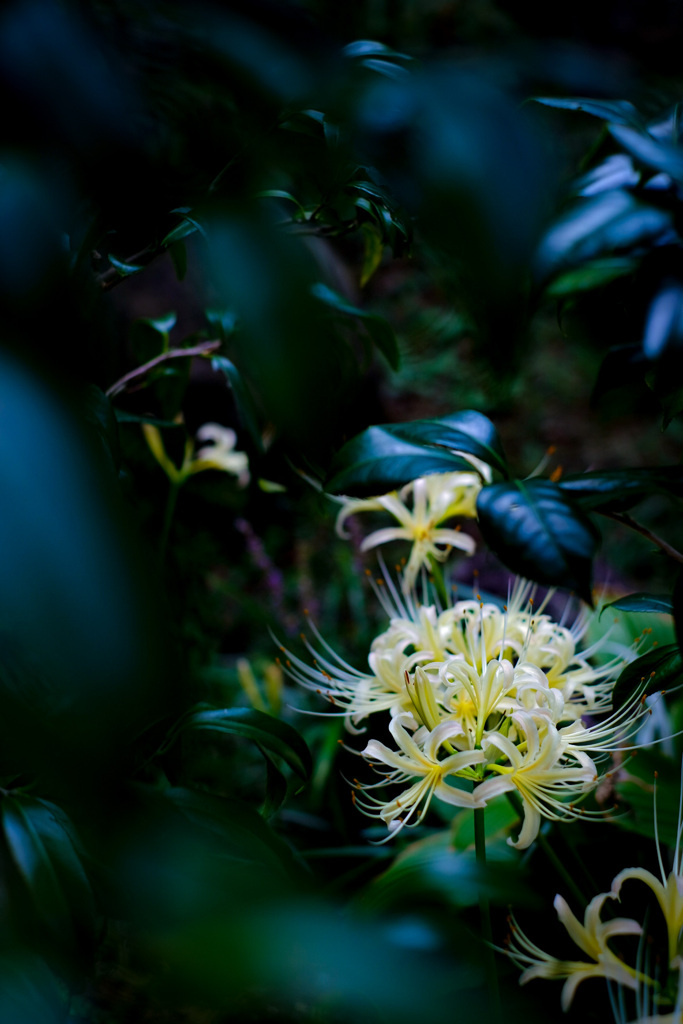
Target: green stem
x,y
168,519
485,914
438,580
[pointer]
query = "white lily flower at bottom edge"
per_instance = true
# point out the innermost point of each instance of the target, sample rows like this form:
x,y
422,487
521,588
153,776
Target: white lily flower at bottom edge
x,y
591,937
669,895
419,762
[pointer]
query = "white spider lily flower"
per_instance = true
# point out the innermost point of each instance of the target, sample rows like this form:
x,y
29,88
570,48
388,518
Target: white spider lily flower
x,y
591,937
549,783
419,761
669,891
435,498
220,453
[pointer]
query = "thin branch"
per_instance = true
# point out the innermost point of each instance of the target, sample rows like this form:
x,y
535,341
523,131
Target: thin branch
x,y
113,276
174,353
622,517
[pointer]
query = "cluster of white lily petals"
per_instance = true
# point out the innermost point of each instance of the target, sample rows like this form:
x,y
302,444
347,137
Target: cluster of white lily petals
x,y
483,699
419,508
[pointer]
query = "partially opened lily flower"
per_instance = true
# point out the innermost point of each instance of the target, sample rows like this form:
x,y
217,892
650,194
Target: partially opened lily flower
x,y
655,989
591,937
219,454
435,499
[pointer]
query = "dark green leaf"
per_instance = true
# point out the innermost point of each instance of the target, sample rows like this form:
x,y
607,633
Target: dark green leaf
x,y
467,431
244,403
659,669
615,490
641,603
617,171
612,221
591,275
241,831
655,153
270,733
614,111
539,533
636,790
378,328
378,460
223,322
371,48
664,323
276,786
278,193
43,851
373,250
123,416
149,336
187,226
124,269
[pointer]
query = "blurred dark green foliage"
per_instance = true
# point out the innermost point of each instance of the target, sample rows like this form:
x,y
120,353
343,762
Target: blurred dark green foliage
x,y
352,217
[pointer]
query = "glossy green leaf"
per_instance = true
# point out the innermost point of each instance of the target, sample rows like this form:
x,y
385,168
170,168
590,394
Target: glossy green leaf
x,y
42,849
124,269
616,171
274,736
278,193
593,274
597,226
150,336
380,331
363,48
378,460
654,603
244,403
658,154
187,226
659,669
664,322
468,431
615,490
539,533
614,111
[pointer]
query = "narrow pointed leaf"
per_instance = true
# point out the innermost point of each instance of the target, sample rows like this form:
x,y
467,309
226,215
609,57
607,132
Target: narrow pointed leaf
x,y
654,603
616,490
270,733
659,669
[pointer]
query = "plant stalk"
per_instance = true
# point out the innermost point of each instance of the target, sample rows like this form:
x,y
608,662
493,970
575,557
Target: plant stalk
x,y
485,916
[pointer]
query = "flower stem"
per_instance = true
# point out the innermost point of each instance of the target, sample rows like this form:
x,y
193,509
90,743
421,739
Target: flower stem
x,y
438,580
485,915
